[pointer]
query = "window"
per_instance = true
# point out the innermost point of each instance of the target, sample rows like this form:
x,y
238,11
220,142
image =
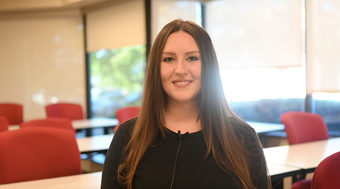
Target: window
x,y
117,77
260,48
115,43
164,11
263,94
328,106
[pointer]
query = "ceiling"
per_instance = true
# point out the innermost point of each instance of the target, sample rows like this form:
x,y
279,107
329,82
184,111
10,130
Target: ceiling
x,y
12,6
41,8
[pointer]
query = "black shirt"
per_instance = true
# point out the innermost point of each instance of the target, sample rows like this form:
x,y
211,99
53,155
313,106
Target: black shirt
x,y
193,169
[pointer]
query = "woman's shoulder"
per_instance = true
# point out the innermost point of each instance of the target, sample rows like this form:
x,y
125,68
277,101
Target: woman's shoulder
x,y
126,127
243,130
241,126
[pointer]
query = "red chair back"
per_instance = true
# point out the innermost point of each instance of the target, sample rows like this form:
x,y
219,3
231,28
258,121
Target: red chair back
x,y
327,173
50,123
124,114
3,124
12,112
304,127
38,153
70,111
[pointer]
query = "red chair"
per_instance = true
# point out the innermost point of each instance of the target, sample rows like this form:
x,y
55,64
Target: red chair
x,y
327,173
50,123
12,112
70,111
38,153
3,124
304,127
126,113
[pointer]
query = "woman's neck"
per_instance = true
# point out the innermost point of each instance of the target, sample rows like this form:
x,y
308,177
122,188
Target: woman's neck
x,y
182,116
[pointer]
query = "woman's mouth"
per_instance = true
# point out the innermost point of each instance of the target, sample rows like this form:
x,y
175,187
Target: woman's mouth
x,y
182,84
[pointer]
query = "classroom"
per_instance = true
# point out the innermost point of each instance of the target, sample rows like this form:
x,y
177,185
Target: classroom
x,y
274,57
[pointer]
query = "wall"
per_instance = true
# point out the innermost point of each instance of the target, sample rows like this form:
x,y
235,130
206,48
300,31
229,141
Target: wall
x,y
42,61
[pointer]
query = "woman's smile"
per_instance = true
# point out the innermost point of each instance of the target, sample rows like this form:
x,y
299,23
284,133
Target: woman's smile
x,y
182,83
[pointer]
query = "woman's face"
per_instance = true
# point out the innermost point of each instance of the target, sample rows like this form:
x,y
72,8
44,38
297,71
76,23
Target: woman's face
x,y
181,67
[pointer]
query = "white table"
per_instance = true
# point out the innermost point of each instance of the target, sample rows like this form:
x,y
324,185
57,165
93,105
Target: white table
x,y
82,181
261,127
94,123
283,161
278,171
92,180
102,142
86,124
89,124
94,144
306,156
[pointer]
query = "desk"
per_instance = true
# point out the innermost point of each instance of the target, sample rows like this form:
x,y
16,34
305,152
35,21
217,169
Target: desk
x,y
92,180
89,124
82,181
110,122
94,123
94,144
266,127
281,162
306,156
101,143
262,129
86,124
278,172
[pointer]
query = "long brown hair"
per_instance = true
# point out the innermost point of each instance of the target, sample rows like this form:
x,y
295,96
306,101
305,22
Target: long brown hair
x,y
219,134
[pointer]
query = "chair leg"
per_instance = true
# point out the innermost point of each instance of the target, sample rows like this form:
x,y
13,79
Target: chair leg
x,y
299,177
277,184
88,132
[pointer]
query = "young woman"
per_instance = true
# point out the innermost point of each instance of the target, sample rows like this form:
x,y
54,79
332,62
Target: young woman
x,y
186,136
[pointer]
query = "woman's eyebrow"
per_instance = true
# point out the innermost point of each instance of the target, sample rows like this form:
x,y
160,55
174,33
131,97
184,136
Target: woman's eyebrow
x,y
171,53
190,52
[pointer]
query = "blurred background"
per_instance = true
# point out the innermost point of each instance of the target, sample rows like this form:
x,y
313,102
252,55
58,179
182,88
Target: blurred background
x,y
274,55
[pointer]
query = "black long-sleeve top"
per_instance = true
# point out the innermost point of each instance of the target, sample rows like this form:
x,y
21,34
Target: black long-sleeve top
x,y
193,169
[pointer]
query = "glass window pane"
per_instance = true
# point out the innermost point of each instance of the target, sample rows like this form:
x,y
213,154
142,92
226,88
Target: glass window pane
x,y
256,33
263,94
117,77
164,11
260,48
328,106
323,46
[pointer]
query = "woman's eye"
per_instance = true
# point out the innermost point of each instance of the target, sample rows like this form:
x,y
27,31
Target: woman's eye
x,y
193,58
168,59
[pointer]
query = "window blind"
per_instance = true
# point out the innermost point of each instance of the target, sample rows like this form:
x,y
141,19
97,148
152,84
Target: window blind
x,y
323,46
121,24
256,33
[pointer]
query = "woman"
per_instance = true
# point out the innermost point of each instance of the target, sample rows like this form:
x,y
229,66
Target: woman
x,y
183,94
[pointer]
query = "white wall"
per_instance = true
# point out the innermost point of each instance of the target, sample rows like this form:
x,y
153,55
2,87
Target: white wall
x,y
42,61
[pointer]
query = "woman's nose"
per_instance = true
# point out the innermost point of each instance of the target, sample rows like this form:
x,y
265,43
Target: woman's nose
x,y
181,67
